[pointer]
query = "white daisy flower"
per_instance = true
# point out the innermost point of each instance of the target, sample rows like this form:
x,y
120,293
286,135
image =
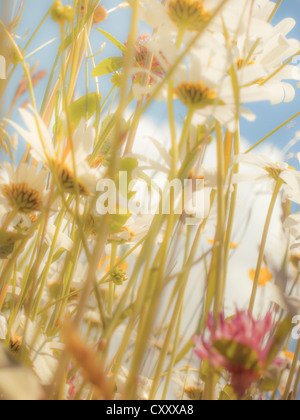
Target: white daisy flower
x,y
190,15
3,327
189,386
143,385
61,160
17,383
266,171
292,223
23,190
260,65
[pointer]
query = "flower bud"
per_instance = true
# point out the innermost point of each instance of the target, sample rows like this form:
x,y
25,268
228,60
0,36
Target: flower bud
x,y
60,14
100,14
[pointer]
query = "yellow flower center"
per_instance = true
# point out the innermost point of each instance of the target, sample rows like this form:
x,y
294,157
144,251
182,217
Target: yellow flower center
x,y
189,14
15,343
243,63
195,95
67,180
273,172
193,393
23,198
295,260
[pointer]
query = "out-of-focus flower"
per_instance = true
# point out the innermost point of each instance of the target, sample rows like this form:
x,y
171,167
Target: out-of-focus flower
x,y
60,13
239,345
264,277
180,16
295,260
291,304
292,223
260,67
189,386
266,171
147,69
3,327
41,350
143,385
286,357
17,382
23,190
100,14
61,160
200,82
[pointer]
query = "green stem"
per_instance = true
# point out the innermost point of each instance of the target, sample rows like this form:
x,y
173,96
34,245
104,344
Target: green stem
x,y
232,205
263,243
186,129
114,246
48,265
292,372
220,286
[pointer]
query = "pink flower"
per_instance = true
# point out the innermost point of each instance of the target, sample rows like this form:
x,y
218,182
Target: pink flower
x,y
240,345
141,54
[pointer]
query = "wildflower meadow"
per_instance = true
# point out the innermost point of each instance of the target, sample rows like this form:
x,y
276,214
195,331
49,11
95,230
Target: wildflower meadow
x,y
149,201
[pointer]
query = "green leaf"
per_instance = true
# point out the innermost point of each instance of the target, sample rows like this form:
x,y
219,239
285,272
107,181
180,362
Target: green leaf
x,y
84,107
268,384
117,221
127,165
117,43
58,254
107,66
10,237
280,338
238,354
106,136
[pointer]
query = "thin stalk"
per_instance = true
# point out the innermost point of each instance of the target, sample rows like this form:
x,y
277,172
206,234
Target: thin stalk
x,y
292,372
111,284
220,286
273,132
263,243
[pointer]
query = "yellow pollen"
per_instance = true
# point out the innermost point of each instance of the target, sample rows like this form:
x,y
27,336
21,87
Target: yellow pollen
x,y
288,354
101,262
273,172
195,95
264,277
188,14
22,198
232,245
15,343
295,260
242,63
193,393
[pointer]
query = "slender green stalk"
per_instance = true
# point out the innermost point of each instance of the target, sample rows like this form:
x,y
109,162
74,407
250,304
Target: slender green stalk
x,y
293,371
218,304
273,132
263,243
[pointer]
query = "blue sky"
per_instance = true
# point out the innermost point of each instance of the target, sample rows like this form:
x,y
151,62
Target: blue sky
x,y
268,117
